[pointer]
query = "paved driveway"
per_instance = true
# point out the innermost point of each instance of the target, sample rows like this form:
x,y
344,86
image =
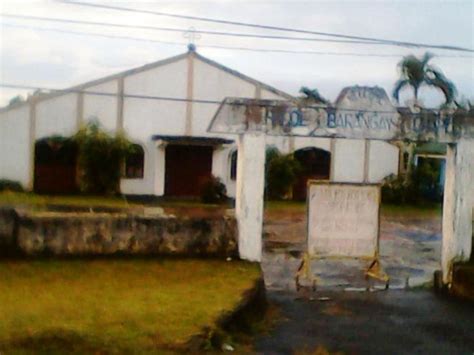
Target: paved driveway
x,y
384,322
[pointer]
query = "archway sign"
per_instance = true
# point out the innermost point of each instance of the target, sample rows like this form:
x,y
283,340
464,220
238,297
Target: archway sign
x,y
361,113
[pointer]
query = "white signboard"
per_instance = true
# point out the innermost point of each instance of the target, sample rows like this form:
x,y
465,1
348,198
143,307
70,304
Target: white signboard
x,y
343,219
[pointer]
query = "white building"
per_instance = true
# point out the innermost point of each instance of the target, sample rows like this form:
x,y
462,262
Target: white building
x,y
166,107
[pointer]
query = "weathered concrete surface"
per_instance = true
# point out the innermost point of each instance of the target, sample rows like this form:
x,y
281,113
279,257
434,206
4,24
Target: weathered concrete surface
x,y
359,113
458,206
343,219
393,322
70,234
410,252
249,194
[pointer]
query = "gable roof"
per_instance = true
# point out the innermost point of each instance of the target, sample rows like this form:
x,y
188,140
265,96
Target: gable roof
x,y
146,67
243,76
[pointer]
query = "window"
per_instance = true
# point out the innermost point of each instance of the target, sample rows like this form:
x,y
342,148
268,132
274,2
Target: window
x,y
233,165
135,162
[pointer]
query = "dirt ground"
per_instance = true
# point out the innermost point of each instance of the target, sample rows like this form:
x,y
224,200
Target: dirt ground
x,y
410,246
410,251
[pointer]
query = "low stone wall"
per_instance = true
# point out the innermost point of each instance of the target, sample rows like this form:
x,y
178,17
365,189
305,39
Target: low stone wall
x,y
72,234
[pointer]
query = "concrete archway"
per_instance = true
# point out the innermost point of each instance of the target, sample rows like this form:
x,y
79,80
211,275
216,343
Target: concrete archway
x,y
316,165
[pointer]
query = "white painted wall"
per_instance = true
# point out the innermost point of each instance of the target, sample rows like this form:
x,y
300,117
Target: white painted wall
x,y
349,161
321,143
56,116
152,182
14,145
102,108
211,83
268,95
458,206
383,160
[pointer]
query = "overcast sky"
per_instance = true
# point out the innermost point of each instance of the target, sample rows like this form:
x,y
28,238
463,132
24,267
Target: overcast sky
x,y
41,58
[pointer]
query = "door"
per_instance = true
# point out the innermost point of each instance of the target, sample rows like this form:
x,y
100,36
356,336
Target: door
x,y
55,166
187,168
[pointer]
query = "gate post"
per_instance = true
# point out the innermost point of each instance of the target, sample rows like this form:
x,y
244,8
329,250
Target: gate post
x,y
457,206
249,194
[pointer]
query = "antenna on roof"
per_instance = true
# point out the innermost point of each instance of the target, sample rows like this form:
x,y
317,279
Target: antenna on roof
x,y
192,35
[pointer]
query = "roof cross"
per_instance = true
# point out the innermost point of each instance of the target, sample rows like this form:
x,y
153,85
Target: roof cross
x,y
192,35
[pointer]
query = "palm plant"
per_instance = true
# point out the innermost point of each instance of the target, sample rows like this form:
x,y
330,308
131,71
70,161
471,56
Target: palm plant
x,y
417,72
312,96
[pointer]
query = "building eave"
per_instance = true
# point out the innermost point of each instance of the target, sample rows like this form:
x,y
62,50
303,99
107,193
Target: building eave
x,y
81,87
192,140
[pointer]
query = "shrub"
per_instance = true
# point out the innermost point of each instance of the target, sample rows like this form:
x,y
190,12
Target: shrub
x,y
420,187
10,185
213,191
281,172
100,159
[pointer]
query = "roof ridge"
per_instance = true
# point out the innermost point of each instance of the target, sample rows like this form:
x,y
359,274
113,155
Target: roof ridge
x,y
95,82
145,67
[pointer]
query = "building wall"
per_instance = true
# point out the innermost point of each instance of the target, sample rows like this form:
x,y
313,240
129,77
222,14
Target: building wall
x,y
383,160
101,108
56,116
348,162
14,145
142,118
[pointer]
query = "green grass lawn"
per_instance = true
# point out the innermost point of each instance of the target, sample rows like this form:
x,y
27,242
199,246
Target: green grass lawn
x,y
114,305
31,199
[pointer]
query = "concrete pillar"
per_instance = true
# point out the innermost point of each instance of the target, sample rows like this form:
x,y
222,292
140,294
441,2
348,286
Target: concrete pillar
x,y
366,160
458,206
120,103
188,129
332,167
158,156
249,194
32,141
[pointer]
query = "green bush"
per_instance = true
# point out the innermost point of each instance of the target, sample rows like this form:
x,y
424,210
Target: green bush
x,y
101,156
213,191
421,186
10,185
281,172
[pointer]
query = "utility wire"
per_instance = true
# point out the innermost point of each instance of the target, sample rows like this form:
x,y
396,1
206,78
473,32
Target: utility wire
x,y
98,93
263,103
267,27
180,30
264,50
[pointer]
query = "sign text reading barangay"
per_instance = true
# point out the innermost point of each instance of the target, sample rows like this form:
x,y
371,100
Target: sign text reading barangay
x,y
237,115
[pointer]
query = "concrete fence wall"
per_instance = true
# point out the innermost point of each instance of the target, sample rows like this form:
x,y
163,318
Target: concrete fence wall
x,y
75,234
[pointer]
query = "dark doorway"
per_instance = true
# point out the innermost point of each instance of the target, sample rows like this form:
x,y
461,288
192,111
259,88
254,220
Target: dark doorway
x,y
55,166
188,167
315,164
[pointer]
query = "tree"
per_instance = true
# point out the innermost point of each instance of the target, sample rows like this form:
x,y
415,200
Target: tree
x,y
312,96
16,100
281,172
101,156
416,72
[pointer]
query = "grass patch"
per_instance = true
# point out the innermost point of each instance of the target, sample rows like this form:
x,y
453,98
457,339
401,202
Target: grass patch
x,y
294,206
114,306
415,211
9,198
